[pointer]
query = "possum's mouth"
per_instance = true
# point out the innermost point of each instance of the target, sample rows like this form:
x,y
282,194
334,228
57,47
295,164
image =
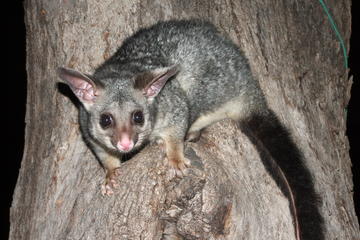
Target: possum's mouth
x,y
124,142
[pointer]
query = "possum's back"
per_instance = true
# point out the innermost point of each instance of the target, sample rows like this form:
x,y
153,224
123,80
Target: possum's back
x,y
212,68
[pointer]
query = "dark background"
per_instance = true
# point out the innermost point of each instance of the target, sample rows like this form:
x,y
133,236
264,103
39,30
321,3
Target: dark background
x,y
14,94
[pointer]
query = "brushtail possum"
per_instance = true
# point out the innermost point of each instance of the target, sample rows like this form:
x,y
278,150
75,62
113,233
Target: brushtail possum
x,y
168,82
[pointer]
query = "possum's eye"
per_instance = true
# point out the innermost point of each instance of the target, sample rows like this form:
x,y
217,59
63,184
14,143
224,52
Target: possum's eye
x,y
138,117
106,120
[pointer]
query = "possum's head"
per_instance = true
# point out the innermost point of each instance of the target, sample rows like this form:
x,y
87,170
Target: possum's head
x,y
119,107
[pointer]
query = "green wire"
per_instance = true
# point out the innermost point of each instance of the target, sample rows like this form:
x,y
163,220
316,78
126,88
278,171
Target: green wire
x,y
334,27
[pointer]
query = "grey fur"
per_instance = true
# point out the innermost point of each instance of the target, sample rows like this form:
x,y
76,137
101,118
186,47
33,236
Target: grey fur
x,y
183,76
212,72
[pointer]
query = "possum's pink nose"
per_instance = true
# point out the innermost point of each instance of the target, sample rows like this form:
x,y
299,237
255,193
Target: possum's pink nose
x,y
125,144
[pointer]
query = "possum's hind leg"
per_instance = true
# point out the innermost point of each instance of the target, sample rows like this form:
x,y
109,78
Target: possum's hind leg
x,y
235,109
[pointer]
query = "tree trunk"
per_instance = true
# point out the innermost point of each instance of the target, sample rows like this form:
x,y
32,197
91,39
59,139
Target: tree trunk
x,y
227,194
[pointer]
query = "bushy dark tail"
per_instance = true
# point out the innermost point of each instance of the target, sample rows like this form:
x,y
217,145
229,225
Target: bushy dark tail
x,y
284,162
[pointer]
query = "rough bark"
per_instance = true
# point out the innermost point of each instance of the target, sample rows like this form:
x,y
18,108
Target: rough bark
x,y
227,194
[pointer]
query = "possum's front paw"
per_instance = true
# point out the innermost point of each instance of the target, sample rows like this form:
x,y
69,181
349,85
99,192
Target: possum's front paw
x,y
178,165
110,182
175,158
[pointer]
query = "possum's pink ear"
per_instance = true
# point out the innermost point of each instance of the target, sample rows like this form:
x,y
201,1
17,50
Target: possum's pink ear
x,y
153,81
81,84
